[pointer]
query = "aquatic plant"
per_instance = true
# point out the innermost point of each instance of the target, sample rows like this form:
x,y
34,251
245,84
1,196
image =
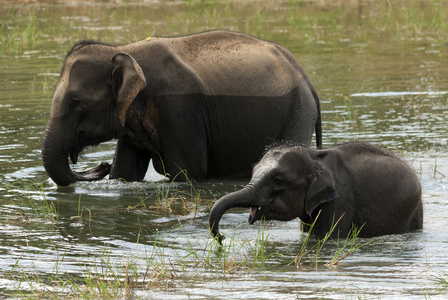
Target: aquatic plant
x,y
352,122
167,197
45,81
441,280
350,241
30,203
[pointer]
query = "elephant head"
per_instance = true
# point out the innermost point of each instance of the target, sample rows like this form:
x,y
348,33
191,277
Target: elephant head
x,y
287,183
96,87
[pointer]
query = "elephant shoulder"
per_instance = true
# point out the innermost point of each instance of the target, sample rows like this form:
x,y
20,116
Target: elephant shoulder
x,y
358,148
364,157
373,160
169,72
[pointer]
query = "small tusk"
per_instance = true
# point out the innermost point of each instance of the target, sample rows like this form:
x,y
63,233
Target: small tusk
x,y
259,207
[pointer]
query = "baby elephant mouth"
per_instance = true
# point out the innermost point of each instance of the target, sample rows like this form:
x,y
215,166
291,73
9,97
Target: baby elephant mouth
x,y
254,214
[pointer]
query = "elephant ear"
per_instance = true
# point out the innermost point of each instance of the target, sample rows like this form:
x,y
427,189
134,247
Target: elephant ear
x,y
321,190
128,80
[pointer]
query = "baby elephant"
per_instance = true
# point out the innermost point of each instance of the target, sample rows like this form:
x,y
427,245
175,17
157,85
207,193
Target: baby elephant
x,y
357,182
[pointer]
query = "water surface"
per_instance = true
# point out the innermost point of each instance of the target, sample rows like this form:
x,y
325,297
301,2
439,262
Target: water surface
x,y
380,69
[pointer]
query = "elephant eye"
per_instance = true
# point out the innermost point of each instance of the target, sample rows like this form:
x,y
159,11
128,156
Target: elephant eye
x,y
279,184
78,104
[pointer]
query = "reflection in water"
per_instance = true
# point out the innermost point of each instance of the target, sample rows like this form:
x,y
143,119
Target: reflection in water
x,y
379,78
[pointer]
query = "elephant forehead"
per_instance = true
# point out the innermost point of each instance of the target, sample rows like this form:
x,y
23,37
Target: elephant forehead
x,y
78,78
56,105
272,162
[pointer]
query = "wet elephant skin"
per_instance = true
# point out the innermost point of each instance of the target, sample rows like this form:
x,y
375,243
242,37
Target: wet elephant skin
x,y
205,104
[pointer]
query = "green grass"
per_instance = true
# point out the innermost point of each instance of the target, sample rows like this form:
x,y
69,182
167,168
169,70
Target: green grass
x,y
29,28
441,280
352,122
44,81
344,247
168,198
30,202
347,246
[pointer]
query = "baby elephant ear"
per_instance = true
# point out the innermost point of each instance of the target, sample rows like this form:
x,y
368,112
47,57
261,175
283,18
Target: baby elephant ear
x,y
320,191
128,80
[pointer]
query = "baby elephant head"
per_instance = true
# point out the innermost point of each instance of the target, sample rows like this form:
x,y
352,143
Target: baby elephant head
x,y
287,183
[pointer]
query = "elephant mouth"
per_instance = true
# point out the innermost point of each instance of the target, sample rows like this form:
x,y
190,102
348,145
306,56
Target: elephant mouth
x,y
79,147
254,214
74,156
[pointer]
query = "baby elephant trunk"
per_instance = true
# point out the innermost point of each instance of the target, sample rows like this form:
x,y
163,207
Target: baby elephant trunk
x,y
241,198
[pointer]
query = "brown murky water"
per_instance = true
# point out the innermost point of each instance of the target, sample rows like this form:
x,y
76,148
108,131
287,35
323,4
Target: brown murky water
x,y
380,68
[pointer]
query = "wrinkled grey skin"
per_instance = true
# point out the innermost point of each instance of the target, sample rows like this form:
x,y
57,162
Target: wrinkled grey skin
x,y
205,103
357,182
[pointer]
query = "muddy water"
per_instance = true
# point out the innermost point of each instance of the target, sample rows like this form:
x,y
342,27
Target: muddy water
x,y
381,71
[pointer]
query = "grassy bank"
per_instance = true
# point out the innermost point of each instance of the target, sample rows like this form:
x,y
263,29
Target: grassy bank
x,y
27,28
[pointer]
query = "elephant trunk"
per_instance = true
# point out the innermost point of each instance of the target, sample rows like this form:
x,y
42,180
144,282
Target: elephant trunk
x,y
55,152
55,160
241,198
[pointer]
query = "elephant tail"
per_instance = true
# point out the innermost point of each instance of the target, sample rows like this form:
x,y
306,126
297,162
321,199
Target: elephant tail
x,y
318,128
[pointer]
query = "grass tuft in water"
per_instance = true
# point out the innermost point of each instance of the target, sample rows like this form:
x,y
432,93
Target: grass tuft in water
x,y
351,242
441,280
352,122
33,203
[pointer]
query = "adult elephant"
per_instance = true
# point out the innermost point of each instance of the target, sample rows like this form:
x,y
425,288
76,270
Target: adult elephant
x,y
207,103
355,183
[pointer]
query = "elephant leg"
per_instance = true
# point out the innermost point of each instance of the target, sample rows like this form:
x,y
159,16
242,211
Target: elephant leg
x,y
183,150
182,165
417,218
129,163
328,217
